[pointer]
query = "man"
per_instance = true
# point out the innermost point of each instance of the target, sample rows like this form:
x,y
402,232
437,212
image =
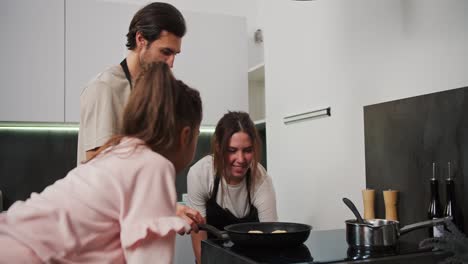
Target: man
x,y
155,34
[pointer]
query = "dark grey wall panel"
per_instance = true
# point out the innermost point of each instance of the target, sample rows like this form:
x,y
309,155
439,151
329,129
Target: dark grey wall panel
x,y
32,160
402,140
203,149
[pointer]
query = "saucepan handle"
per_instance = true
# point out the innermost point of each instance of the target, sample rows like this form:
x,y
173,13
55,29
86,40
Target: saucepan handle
x,y
439,221
215,231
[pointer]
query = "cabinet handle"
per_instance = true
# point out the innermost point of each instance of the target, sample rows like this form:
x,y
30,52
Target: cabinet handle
x,y
307,115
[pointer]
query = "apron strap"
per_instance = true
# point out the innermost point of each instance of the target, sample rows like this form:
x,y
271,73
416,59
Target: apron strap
x,y
215,188
124,66
247,181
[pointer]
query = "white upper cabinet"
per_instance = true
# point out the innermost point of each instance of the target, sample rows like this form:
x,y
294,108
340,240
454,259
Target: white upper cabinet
x,y
214,57
214,60
95,39
52,48
32,54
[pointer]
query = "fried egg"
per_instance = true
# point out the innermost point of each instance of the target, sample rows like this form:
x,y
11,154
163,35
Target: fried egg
x,y
279,231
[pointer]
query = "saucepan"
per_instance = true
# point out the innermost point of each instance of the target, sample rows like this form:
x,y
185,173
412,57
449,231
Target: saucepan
x,y
263,234
380,232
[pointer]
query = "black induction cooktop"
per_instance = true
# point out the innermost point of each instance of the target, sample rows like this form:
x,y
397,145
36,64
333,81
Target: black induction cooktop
x,y
321,247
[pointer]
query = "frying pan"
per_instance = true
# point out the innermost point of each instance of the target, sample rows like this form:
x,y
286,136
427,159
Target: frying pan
x,y
239,234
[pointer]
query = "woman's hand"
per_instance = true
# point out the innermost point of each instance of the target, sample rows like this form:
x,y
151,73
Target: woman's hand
x,y
191,216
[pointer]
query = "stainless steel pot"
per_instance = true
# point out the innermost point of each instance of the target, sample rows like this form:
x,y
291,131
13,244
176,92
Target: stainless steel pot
x,y
381,232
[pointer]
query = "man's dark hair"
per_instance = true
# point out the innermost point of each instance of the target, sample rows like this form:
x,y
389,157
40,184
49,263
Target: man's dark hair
x,y
152,19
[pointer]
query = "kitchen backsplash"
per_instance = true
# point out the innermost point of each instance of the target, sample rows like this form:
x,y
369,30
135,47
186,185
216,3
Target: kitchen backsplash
x,y
33,156
32,159
402,140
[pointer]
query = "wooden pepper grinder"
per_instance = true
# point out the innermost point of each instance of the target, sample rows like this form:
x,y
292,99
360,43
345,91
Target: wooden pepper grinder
x,y
391,200
368,197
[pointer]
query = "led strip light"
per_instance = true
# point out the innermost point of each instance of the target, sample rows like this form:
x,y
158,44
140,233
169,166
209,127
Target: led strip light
x,y
23,126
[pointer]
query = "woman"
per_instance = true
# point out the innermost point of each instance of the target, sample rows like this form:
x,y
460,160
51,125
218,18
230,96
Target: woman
x,y
119,206
230,186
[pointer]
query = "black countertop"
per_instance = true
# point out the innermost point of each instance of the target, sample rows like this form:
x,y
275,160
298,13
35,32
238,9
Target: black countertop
x,y
321,247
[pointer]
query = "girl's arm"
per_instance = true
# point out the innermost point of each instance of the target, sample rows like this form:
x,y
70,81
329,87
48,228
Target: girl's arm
x,y
148,218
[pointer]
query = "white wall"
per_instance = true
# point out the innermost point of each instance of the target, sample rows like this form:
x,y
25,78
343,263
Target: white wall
x,y
347,54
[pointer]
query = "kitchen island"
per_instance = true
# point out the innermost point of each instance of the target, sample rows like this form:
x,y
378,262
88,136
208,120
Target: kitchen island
x,y
321,247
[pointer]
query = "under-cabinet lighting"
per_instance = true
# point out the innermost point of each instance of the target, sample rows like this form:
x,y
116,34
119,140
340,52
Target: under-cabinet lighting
x,y
24,126
207,129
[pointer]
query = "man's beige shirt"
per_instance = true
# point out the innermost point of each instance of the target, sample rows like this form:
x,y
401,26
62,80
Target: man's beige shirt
x,y
102,103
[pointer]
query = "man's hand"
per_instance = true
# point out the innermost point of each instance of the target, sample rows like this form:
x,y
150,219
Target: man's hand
x,y
191,216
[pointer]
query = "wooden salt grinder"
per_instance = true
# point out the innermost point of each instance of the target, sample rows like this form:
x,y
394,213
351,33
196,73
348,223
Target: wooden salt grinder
x,y
368,197
391,200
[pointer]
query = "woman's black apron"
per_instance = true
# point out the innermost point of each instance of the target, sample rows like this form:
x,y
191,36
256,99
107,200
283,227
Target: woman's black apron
x,y
220,217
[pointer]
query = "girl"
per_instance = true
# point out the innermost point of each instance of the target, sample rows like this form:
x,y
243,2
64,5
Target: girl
x,y
230,186
119,206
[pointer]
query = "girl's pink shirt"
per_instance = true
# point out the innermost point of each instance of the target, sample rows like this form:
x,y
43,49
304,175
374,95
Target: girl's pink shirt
x,y
119,207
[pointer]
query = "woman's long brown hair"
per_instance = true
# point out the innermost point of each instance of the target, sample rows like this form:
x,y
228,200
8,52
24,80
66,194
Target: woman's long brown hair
x,y
158,108
228,125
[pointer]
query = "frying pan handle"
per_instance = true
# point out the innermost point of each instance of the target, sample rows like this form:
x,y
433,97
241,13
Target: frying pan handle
x,y
215,231
427,223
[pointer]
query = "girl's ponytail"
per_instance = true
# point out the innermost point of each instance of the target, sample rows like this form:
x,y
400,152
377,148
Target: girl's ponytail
x,y
159,107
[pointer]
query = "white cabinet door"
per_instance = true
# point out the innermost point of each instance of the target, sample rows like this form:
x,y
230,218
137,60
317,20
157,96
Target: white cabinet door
x,y
95,39
214,60
183,252
214,55
32,54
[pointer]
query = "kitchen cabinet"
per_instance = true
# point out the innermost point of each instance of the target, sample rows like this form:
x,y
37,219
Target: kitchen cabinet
x,y
32,52
214,57
95,39
183,250
214,60
55,47
257,92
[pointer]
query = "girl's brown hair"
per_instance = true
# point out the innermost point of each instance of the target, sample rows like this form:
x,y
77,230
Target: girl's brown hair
x,y
158,108
228,125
